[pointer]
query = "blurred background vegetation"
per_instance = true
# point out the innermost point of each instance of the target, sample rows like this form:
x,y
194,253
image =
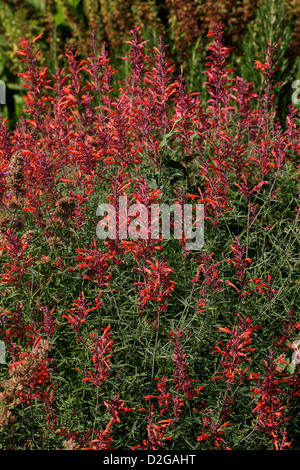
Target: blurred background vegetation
x,y
182,24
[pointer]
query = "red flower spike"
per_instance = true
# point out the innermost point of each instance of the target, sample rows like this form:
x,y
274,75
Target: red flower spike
x,y
233,353
102,349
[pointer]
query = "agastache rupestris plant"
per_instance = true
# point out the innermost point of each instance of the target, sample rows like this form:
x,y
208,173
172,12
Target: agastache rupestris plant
x,y
105,307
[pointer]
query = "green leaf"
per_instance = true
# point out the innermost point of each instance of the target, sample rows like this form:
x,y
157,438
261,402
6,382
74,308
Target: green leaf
x,y
73,3
38,4
152,182
172,132
291,368
174,164
59,17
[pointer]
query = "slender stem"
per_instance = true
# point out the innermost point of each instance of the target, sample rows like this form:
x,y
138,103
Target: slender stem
x,y
248,229
32,425
96,411
155,350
